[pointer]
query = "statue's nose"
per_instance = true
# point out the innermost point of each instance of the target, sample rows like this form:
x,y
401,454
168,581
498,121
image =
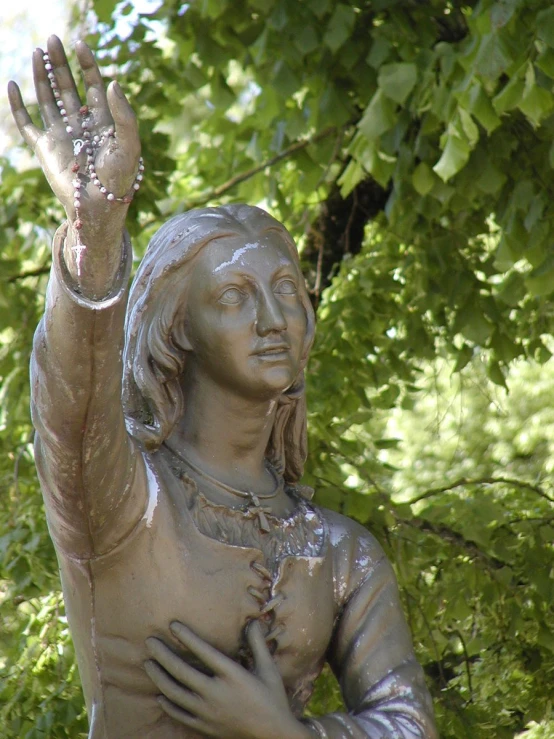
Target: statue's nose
x,y
270,315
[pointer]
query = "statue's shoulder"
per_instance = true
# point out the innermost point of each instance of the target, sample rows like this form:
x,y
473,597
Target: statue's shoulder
x,y
352,546
343,530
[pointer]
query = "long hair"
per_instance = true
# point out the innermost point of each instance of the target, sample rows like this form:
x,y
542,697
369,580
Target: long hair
x,y
153,360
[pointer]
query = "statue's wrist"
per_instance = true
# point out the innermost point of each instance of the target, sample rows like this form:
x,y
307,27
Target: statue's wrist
x,y
93,260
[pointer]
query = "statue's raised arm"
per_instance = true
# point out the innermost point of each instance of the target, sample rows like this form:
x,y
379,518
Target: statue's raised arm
x,y
90,154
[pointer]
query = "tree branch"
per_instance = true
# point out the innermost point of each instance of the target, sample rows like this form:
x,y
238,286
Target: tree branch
x,y
243,176
453,537
30,273
464,482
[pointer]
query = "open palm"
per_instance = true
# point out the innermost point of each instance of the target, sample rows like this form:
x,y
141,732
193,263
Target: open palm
x,y
116,160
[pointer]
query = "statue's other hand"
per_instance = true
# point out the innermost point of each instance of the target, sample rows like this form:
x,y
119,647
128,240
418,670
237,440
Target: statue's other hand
x,y
232,703
116,160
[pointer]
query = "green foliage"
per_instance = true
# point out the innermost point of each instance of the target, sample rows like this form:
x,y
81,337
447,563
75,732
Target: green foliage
x,y
446,110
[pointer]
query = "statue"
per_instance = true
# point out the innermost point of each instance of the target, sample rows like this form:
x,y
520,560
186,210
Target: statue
x,y
203,590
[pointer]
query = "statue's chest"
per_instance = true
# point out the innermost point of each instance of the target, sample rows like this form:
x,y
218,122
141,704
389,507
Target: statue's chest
x,y
173,571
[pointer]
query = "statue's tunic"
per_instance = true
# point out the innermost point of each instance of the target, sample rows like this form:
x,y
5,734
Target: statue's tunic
x,y
133,557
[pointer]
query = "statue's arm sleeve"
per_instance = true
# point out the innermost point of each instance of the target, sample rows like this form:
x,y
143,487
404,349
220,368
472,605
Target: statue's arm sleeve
x,y
89,469
372,654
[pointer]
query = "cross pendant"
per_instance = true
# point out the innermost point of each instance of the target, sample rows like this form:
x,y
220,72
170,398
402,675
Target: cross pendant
x,y
79,249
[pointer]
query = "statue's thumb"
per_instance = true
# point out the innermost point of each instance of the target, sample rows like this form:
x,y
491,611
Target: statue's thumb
x,y
263,661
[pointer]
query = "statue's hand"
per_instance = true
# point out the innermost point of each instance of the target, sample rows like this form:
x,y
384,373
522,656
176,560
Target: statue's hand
x,y
232,704
117,159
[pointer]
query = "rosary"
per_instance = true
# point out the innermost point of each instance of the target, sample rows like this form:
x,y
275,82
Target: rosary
x,y
90,145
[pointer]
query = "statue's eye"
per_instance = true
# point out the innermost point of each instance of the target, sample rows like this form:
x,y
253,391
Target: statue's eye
x,y
231,296
285,287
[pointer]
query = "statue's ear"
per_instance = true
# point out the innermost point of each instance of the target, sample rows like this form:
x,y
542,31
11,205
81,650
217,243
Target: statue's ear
x,y
180,338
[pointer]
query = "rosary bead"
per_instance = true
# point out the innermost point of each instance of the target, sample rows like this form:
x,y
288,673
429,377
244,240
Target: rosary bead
x,y
110,196
69,129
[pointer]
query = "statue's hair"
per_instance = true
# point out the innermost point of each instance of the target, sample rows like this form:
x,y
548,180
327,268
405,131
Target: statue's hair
x,y
153,361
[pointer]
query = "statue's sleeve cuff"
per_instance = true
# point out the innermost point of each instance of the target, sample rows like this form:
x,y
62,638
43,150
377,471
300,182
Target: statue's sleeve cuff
x,y
67,283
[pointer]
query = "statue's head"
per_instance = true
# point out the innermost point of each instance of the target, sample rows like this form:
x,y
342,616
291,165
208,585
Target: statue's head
x,y
219,295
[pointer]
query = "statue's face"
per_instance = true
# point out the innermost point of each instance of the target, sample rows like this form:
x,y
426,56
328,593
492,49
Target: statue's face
x,y
245,322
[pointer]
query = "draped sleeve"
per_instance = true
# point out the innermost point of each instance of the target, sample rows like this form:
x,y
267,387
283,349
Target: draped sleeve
x,y
88,465
371,652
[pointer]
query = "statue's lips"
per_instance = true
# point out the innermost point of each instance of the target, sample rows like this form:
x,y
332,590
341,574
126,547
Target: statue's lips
x,y
273,351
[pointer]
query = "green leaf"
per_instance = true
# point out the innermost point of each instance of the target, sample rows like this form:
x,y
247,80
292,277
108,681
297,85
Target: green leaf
x,y
493,57
545,62
502,11
340,27
397,80
104,9
379,116
481,107
453,159
469,128
510,95
380,49
491,179
545,26
494,373
353,174
504,348
306,39
423,178
465,355
541,280
474,325
536,104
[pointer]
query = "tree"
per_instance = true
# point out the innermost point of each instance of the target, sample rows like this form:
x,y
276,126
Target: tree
x,y
407,146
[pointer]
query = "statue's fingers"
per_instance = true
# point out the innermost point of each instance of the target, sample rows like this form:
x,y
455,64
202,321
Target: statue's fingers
x,y
215,660
49,110
182,697
27,128
125,121
96,92
64,77
185,718
180,670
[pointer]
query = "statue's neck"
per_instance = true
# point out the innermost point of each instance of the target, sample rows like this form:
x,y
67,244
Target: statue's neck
x,y
225,435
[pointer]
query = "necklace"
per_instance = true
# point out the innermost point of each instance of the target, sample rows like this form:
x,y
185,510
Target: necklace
x,y
254,504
